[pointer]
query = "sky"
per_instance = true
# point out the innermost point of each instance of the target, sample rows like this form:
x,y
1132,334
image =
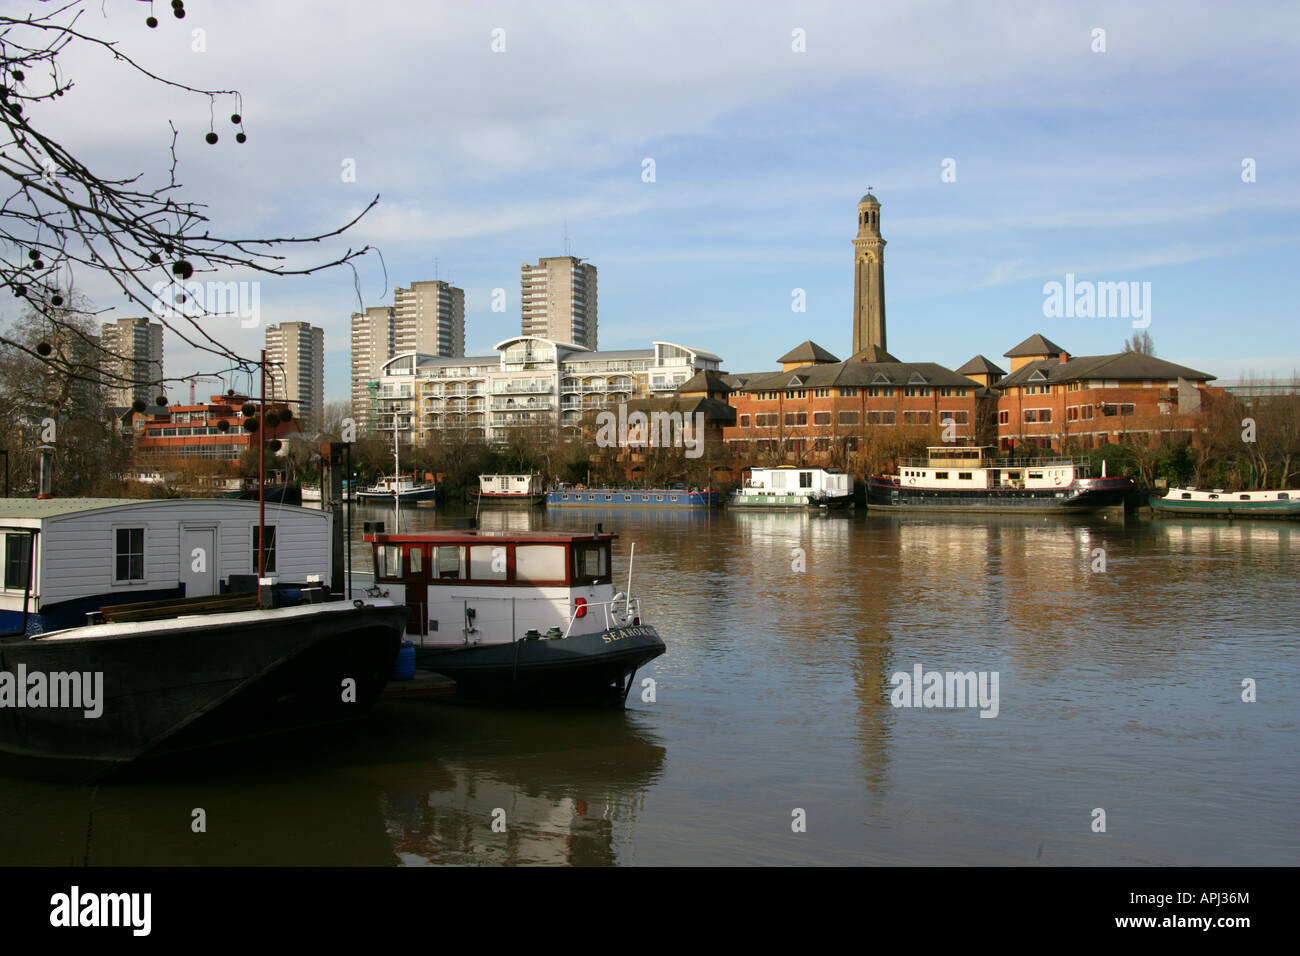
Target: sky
x,y
1007,148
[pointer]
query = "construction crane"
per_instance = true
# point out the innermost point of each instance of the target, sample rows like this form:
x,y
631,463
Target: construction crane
x,y
201,378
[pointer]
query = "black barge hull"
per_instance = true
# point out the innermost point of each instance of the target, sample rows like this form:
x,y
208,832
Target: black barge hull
x,y
189,683
1082,497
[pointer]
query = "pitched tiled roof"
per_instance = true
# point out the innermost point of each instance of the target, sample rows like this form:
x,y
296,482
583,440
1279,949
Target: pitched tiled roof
x,y
873,353
851,374
705,380
1125,366
979,365
807,351
1035,345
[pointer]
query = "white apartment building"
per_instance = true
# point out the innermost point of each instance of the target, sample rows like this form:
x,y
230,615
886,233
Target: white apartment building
x,y
296,351
136,347
530,381
558,300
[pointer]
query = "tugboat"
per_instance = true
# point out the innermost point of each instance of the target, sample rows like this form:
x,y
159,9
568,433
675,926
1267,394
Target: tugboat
x,y
1189,502
517,617
399,488
969,478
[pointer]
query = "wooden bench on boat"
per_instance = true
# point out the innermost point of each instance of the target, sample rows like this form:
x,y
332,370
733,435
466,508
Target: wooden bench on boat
x,y
175,607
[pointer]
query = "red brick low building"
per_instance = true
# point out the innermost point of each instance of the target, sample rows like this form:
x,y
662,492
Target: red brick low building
x,y
818,410
1052,399
213,431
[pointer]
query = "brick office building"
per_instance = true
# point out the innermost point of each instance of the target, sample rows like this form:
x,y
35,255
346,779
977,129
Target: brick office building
x,y
1051,399
818,410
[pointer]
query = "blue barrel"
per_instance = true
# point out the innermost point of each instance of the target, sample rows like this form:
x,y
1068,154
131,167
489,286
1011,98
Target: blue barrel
x,y
404,669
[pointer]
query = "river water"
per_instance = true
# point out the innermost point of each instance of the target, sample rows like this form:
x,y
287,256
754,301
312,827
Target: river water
x,y
1120,651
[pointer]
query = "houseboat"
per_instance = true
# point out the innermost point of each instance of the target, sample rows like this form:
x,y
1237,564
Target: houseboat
x,y
1189,502
524,490
401,488
135,629
790,487
952,478
569,497
517,617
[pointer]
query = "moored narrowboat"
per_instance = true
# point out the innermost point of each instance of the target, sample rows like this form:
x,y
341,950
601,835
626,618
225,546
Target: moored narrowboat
x,y
1218,503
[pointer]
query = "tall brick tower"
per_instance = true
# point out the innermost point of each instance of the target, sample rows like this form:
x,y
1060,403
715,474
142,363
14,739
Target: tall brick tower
x,y
868,278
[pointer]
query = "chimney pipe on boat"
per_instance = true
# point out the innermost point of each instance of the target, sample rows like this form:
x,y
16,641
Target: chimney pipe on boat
x,y
45,484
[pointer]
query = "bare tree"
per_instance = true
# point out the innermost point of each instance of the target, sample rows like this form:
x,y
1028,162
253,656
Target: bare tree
x,y
1141,343
61,220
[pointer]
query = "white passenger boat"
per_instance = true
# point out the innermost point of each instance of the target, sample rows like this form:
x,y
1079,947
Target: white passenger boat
x,y
961,478
1219,503
510,490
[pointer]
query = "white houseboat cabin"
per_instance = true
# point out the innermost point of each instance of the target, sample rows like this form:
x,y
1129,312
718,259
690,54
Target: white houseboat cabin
x,y
64,557
790,487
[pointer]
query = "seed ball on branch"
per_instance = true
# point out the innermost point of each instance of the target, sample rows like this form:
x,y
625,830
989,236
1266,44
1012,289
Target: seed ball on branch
x,y
38,264
286,415
250,425
20,290
18,75
33,255
56,299
138,405
223,426
151,23
211,138
43,349
274,444
236,118
155,258
182,269
249,410
271,419
241,138
160,400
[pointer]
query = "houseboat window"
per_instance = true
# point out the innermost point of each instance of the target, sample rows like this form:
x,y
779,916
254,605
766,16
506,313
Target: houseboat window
x,y
1245,497
805,479
449,562
269,559
1213,496
415,560
539,562
1283,496
1186,496
487,562
591,563
1013,475
1035,474
129,555
964,475
388,561
17,552
940,476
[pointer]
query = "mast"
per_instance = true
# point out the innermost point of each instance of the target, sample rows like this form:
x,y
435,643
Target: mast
x,y
397,479
261,487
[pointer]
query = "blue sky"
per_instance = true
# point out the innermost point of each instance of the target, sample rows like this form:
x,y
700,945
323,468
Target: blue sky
x,y
1124,165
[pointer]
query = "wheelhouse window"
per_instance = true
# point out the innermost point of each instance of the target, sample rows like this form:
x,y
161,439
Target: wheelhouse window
x,y
805,479
17,560
388,562
591,563
269,565
415,560
487,562
128,555
539,562
447,562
